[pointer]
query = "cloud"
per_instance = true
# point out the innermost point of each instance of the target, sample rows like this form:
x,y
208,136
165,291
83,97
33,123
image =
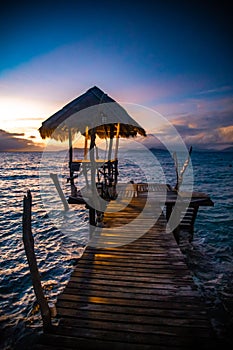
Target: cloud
x,y
208,130
11,142
203,107
16,134
216,90
226,133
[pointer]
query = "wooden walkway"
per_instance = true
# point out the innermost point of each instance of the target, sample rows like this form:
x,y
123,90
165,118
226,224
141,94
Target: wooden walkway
x,y
137,296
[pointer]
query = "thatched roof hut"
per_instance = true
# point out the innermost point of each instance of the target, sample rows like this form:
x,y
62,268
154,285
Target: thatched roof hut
x,y
93,109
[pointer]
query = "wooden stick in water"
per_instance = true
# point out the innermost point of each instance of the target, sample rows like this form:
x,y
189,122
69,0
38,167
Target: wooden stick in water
x,y
56,182
28,241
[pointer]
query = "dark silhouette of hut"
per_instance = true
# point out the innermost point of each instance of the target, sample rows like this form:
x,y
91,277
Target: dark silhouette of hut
x,y
92,114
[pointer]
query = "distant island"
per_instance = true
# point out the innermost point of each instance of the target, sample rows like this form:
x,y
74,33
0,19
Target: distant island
x,y
228,149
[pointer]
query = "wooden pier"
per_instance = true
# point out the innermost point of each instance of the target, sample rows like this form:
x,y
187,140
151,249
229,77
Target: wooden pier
x,y
139,295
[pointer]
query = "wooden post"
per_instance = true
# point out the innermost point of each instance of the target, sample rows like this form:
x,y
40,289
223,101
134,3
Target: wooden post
x,y
111,142
93,170
86,142
195,210
179,176
176,233
117,140
168,211
71,159
56,182
28,241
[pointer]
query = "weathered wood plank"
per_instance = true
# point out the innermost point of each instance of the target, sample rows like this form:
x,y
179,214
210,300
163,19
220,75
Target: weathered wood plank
x,y
163,265
160,326
133,276
179,292
68,342
185,340
173,310
157,270
84,298
99,293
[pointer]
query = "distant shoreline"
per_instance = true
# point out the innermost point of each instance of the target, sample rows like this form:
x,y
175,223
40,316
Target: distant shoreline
x,y
201,150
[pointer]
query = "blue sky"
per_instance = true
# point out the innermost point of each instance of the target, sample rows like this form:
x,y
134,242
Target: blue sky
x,y
174,57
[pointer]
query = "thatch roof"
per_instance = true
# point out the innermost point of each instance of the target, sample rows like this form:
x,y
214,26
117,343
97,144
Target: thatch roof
x,y
94,109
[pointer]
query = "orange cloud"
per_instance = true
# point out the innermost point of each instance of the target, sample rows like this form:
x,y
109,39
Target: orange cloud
x,y
226,133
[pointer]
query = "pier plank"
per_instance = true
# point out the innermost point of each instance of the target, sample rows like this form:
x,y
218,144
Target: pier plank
x,y
138,295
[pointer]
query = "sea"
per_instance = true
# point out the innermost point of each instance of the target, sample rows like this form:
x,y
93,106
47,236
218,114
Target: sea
x,y
209,255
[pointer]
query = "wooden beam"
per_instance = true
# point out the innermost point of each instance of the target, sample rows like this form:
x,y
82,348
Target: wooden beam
x,y
56,182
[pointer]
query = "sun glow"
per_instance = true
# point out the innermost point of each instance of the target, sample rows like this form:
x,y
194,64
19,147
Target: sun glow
x,y
21,116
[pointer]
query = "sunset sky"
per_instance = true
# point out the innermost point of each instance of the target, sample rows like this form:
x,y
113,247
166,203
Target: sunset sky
x,y
174,57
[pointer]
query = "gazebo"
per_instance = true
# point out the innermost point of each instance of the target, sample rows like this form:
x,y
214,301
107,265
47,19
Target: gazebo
x,y
93,114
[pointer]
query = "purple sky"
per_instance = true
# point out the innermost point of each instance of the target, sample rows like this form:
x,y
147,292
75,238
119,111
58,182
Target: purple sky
x,y
173,57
